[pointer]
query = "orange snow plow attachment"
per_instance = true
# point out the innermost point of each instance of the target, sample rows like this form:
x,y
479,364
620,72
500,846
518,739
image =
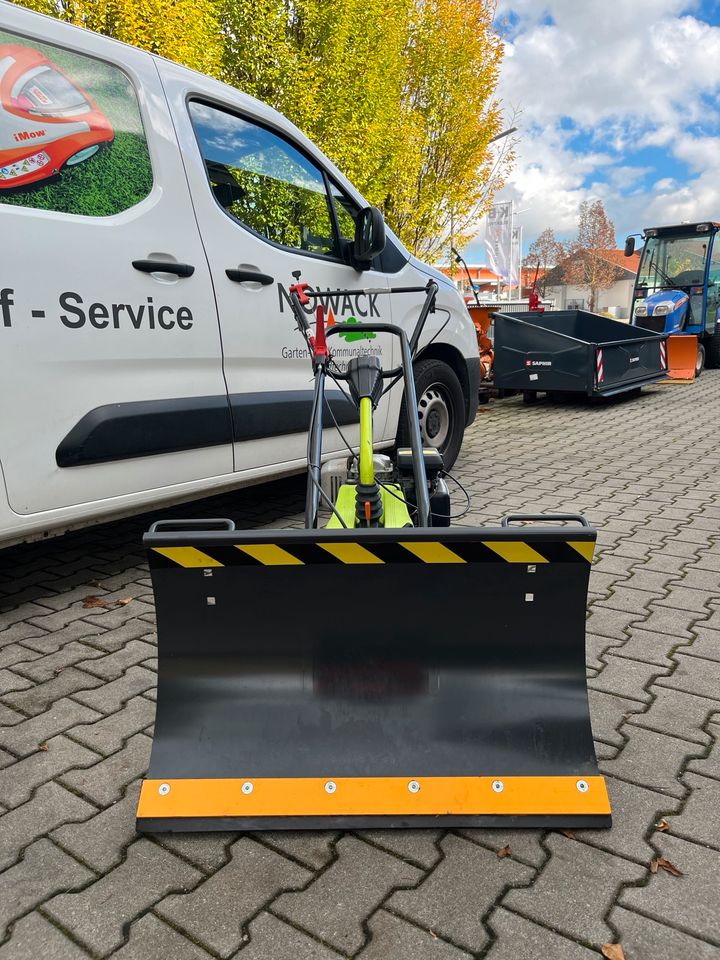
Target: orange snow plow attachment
x,y
682,356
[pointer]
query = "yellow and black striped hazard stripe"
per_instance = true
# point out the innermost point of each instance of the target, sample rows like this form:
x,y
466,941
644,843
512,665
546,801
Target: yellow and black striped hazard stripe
x,y
295,553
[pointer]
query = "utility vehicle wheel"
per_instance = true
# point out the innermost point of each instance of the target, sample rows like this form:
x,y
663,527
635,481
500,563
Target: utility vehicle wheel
x,y
699,360
441,410
712,350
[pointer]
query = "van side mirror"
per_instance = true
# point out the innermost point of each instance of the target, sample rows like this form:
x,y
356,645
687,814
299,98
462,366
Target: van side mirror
x,y
369,236
630,246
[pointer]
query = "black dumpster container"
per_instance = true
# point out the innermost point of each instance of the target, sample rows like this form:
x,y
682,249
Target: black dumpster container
x,y
575,351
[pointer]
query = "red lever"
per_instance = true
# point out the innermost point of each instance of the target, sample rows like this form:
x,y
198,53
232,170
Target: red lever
x,y
320,344
299,289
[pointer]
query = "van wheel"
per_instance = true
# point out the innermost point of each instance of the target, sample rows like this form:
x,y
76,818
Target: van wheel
x,y
712,350
441,410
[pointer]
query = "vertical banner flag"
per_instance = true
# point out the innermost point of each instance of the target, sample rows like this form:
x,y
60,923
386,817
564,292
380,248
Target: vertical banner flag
x,y
497,238
515,256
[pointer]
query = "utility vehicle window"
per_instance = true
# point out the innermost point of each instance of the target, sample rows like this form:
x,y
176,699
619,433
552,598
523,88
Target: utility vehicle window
x,y
264,182
346,211
674,261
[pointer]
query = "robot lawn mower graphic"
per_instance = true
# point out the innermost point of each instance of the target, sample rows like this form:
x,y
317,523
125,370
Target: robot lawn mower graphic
x,y
46,121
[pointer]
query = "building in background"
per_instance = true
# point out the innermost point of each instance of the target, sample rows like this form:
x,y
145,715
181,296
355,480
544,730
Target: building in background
x,y
614,300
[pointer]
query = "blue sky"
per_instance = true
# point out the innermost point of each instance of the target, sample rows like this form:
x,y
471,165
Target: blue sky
x,y
618,100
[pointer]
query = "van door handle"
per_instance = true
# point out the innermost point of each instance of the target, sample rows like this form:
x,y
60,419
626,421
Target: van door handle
x,y
164,266
249,276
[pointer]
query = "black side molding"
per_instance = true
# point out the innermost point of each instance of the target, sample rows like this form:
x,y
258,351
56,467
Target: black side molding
x,y
146,428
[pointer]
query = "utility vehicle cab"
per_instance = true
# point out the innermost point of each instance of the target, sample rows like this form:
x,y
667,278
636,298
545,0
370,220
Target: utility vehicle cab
x,y
677,288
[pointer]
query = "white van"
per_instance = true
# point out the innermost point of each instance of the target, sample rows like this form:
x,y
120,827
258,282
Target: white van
x,y
151,222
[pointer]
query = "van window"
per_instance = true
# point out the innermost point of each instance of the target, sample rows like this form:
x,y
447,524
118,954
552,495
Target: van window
x,y
264,182
346,211
71,136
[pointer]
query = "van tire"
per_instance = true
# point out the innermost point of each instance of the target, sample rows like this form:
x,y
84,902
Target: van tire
x,y
712,349
441,410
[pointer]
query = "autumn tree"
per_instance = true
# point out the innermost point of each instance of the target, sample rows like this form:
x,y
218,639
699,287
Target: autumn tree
x,y
587,264
400,94
544,252
186,31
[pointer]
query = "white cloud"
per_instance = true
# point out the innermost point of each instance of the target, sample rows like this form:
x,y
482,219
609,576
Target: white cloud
x,y
626,76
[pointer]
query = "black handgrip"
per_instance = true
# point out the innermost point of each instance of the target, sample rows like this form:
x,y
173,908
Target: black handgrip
x,y
544,518
249,276
164,266
170,526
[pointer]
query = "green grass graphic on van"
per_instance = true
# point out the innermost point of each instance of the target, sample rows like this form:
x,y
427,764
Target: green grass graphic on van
x,y
71,134
352,337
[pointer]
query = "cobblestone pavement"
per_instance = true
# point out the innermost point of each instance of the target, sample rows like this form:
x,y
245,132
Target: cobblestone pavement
x,y
76,712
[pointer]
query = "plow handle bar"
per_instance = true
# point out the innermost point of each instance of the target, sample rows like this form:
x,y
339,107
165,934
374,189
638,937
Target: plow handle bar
x,y
170,526
544,518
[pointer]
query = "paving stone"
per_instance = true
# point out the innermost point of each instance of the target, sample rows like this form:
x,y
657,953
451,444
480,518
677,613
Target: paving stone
x,y
693,675
334,906
100,841
33,936
39,697
393,937
608,713
43,870
314,848
524,844
271,938
215,913
110,697
708,766
112,639
654,581
209,851
676,623
114,665
645,939
635,812
651,760
698,579
677,714
151,939
626,678
9,682
50,806
647,646
416,846
15,653
147,875
706,644
519,939
108,735
700,818
604,622
17,782
114,617
23,612
23,738
453,898
574,890
105,781
45,668
631,601
690,902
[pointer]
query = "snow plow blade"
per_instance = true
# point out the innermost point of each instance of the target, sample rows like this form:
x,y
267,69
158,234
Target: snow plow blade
x,y
682,356
343,678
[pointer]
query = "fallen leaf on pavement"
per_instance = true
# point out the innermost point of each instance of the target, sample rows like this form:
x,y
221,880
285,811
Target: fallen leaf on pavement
x,y
504,852
432,933
96,602
43,746
660,863
613,951
124,601
662,825
568,833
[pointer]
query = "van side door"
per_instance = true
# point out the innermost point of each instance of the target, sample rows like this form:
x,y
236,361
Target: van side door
x,y
267,207
110,360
